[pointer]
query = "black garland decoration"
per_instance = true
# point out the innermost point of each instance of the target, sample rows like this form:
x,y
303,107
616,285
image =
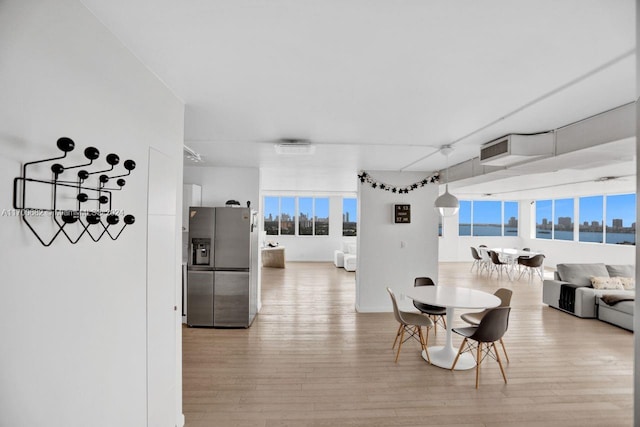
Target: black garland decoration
x,y
365,177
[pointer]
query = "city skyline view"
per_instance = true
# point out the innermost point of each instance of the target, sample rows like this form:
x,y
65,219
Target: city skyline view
x,y
601,219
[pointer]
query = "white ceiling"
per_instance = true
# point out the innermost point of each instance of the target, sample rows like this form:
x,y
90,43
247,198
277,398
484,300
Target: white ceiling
x,y
378,84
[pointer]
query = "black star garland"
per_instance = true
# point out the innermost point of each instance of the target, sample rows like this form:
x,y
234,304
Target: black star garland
x,y
365,177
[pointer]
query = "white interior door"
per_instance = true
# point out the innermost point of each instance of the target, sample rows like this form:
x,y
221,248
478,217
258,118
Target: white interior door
x,y
161,290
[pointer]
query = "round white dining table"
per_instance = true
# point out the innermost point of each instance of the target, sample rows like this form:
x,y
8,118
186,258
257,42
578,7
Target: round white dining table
x,y
451,298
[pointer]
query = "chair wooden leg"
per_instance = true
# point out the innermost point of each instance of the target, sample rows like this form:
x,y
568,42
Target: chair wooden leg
x,y
464,341
478,364
426,341
423,342
504,349
397,335
499,362
400,343
434,318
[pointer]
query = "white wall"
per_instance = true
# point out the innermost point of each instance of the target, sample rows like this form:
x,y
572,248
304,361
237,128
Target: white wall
x,y
74,317
221,184
394,254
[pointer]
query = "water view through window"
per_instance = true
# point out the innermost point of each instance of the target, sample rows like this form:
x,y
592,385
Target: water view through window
x,y
608,219
543,224
621,219
487,218
563,220
591,215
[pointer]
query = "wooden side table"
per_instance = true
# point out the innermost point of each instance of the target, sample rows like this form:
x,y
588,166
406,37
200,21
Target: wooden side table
x,y
273,257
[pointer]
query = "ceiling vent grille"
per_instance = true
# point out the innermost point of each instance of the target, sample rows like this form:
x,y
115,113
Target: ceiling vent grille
x,y
513,149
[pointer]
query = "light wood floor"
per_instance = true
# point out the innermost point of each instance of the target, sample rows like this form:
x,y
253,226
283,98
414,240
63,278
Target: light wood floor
x,y
310,361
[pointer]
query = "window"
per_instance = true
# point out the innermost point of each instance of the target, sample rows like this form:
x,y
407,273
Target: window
x,y
591,212
308,215
272,215
608,219
305,216
510,218
349,217
621,219
288,216
487,218
543,219
321,217
464,218
563,219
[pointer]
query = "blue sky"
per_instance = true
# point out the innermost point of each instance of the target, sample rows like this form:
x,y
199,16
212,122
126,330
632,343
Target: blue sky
x,y
350,206
275,205
487,212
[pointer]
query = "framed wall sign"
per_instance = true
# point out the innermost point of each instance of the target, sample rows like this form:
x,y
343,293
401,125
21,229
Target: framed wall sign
x,y
402,214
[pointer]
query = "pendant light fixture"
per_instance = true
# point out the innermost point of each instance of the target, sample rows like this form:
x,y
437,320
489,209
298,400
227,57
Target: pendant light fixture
x,y
447,204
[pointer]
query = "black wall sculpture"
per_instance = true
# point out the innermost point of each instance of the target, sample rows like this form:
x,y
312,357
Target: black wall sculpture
x,y
91,188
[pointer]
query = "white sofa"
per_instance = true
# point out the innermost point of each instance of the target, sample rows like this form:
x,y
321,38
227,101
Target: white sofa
x,y
351,257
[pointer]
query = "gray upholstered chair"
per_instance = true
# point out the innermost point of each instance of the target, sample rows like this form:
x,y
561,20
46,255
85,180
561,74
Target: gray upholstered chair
x,y
474,318
411,323
492,327
531,264
436,313
477,260
498,265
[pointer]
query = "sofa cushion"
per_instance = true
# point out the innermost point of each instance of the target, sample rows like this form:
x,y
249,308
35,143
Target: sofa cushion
x,y
606,283
628,283
581,274
622,306
621,270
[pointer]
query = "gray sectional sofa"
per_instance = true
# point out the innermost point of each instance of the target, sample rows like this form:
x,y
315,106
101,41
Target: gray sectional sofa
x,y
572,292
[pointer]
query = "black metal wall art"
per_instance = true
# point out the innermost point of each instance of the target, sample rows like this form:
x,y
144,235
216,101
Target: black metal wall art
x,y
87,191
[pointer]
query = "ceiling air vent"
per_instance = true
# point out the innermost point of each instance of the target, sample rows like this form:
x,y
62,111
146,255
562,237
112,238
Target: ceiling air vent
x,y
512,149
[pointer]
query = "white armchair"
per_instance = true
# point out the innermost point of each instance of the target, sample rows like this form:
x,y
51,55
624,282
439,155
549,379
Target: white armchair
x,y
351,257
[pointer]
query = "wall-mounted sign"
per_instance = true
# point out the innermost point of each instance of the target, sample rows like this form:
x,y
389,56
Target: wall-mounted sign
x,y
402,214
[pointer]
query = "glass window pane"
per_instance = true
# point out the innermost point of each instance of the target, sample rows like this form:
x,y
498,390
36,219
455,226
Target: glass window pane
x,y
487,218
464,218
271,215
590,229
621,219
563,222
322,216
510,218
543,219
288,215
349,217
305,216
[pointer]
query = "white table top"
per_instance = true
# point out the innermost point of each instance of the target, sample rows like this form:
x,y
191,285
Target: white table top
x,y
452,297
514,252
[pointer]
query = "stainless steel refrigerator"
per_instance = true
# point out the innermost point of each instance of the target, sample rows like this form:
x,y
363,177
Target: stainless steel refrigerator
x,y
221,286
